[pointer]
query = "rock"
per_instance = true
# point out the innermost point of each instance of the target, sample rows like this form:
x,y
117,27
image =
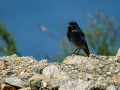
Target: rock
x,y
61,77
2,66
38,81
48,84
35,84
116,78
36,76
108,73
75,73
25,77
118,60
27,88
73,60
7,87
118,53
111,87
43,61
76,85
49,71
14,81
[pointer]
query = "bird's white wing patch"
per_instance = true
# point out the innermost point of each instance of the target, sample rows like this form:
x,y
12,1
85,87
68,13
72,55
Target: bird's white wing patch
x,y
74,30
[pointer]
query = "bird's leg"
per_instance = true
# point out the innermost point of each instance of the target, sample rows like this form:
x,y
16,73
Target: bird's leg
x,y
78,51
74,52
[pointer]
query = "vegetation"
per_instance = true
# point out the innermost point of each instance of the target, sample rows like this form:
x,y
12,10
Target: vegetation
x,y
9,45
102,34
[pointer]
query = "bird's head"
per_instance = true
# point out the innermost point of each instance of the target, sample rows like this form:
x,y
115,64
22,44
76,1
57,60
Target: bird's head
x,y
72,24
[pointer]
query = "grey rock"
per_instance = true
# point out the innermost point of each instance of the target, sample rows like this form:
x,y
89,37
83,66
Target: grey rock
x,y
43,61
25,77
76,85
40,84
116,71
39,69
49,71
61,77
14,81
2,65
111,87
75,73
35,84
13,56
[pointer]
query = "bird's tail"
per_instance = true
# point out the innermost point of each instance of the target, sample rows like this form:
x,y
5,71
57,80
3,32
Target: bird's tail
x,y
86,50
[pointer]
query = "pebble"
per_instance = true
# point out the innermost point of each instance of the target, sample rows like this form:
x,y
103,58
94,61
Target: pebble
x,y
108,73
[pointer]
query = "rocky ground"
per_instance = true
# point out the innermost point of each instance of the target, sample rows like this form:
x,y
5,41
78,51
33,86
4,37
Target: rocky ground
x,y
75,73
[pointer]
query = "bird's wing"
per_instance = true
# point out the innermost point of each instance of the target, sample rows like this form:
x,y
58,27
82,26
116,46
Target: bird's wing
x,y
85,46
81,32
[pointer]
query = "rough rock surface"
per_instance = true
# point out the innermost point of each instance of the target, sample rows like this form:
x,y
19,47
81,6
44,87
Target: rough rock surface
x,y
75,73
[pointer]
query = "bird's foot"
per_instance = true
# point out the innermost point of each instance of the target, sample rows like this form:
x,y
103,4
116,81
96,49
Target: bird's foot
x,y
77,54
72,54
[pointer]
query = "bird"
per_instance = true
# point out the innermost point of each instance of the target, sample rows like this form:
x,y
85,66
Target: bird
x,y
77,38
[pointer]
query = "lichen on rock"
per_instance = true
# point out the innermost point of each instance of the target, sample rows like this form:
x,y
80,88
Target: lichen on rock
x,y
74,73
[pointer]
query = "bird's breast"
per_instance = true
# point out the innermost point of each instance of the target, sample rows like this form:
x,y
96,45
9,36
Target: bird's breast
x,y
75,39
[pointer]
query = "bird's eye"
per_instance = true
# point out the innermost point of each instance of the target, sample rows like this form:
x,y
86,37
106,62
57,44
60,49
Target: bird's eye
x,y
70,25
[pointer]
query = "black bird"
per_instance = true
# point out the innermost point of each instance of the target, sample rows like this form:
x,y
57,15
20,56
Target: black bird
x,y
77,38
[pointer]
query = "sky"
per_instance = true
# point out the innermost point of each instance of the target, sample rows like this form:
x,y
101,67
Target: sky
x,y
21,16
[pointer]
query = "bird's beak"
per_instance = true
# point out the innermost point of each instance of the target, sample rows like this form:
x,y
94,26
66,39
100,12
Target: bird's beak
x,y
70,25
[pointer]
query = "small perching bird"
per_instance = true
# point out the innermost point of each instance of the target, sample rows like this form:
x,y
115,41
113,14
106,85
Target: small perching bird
x,y
77,38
